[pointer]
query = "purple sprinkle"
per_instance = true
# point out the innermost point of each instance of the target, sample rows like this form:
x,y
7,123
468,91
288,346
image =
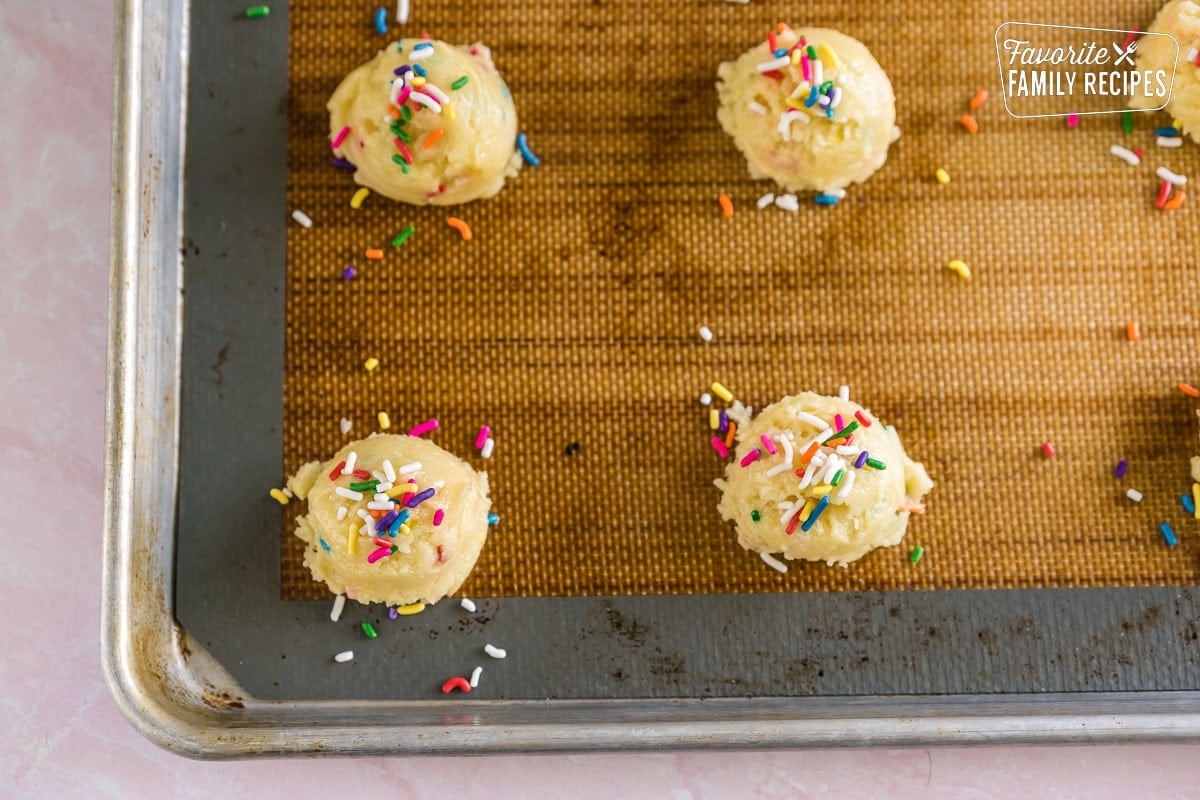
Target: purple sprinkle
x,y
392,613
1122,465
383,522
400,70
342,163
861,460
724,422
348,273
421,498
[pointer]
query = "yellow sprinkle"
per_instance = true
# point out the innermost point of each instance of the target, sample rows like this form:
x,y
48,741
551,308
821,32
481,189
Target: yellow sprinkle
x,y
399,490
794,102
410,609
827,54
404,530
280,496
371,363
352,538
714,418
1196,497
961,268
796,56
821,490
448,111
942,176
359,196
720,391
809,505
418,81
385,421
1177,125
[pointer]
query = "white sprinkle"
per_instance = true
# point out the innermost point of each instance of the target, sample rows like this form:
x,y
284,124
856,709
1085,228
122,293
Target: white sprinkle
x,y
773,562
801,89
1191,54
766,200
388,471
344,425
846,484
785,123
288,492
1169,141
427,100
380,505
384,486
380,497
706,333
706,399
1173,177
844,393
304,219
823,101
365,529
756,107
784,506
417,54
344,656
1125,154
847,450
1134,495
831,468
397,88
435,93
835,97
775,63
819,457
840,194
488,447
792,510
740,2
362,513
788,202
788,454
809,473
402,11
351,460
342,491
339,603
818,72
342,512
409,469
468,605
494,652
812,419
475,673
377,475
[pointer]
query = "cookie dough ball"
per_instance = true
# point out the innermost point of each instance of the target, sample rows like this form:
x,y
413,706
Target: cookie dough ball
x,y
427,122
432,540
843,504
808,123
1180,19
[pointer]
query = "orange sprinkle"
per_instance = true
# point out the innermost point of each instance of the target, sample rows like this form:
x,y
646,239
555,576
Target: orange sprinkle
x,y
910,505
1189,390
808,454
969,122
979,99
377,514
1175,202
729,436
464,230
726,206
375,254
1132,332
432,138
837,442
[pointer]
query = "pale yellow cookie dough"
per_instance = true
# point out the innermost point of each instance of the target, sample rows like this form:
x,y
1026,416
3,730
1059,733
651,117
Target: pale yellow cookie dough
x,y
468,160
804,148
869,507
429,561
1181,19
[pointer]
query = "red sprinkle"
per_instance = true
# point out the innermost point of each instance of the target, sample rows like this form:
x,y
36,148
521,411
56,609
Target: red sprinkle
x,y
1048,449
1163,194
772,42
1139,152
751,457
405,153
361,473
862,418
438,516
1133,34
792,523
441,556
333,476
773,73
457,682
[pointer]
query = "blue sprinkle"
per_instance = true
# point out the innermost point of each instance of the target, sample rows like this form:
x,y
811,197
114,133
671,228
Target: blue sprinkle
x,y
1166,131
780,53
493,519
422,46
417,68
816,512
342,163
526,153
383,522
324,544
381,21
1168,534
1122,465
812,97
400,519
826,199
829,113
1189,505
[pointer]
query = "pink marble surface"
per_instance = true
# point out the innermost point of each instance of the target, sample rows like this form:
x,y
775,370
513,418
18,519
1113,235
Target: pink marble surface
x,y
60,734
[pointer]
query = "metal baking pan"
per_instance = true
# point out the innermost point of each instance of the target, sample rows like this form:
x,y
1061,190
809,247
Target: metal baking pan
x,y
195,640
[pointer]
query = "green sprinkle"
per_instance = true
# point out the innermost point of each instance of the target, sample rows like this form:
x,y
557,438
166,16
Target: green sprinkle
x,y
402,236
458,84
369,630
363,486
838,477
875,463
406,112
399,47
916,554
812,52
402,135
851,428
825,87
253,12
396,126
754,515
396,159
1127,121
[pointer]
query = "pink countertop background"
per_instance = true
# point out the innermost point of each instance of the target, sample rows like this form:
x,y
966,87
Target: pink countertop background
x,y
61,736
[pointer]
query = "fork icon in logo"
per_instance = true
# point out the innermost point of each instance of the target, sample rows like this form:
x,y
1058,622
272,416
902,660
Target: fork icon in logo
x,y
1124,55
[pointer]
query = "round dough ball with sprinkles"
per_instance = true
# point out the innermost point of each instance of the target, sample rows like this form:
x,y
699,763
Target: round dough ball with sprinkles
x,y
425,122
830,482
392,519
1181,20
811,109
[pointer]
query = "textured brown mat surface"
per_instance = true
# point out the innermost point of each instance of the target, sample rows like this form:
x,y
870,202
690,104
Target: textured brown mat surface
x,y
572,316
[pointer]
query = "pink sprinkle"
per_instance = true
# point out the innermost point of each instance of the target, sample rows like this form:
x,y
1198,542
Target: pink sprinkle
x,y
407,496
751,457
768,445
1048,449
424,428
806,67
720,447
341,137
838,422
402,97
438,516
1072,120
482,438
382,552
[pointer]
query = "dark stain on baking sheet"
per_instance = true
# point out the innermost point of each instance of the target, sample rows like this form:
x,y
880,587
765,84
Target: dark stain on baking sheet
x,y
786,638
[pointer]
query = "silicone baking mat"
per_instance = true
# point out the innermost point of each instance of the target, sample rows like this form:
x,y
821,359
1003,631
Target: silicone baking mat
x,y
569,323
